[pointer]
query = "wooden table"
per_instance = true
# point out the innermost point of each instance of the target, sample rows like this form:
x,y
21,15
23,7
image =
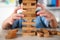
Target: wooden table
x,y
19,37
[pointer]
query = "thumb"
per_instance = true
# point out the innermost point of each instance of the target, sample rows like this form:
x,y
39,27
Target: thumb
x,y
16,9
10,23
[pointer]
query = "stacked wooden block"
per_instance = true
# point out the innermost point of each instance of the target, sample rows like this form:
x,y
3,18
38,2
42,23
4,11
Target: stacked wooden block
x,y
47,33
11,34
29,6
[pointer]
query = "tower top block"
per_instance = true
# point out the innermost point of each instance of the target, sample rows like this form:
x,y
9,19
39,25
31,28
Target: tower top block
x,y
29,0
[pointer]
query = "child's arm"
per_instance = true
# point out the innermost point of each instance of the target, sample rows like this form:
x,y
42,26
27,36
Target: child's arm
x,y
49,16
54,23
10,20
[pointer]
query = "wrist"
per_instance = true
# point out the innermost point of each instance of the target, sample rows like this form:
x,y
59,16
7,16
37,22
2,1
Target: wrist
x,y
53,23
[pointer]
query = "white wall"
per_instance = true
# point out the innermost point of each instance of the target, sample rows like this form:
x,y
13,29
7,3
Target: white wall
x,y
4,13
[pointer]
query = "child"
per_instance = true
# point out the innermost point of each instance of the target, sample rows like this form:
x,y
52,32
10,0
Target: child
x,y
43,19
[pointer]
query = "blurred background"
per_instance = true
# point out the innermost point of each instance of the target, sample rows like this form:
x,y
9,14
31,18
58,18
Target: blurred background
x,y
7,8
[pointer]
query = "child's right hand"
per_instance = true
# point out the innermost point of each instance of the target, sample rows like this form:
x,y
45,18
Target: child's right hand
x,y
14,16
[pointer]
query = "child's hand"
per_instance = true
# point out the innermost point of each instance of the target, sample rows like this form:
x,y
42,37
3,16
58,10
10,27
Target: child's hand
x,y
43,12
14,16
10,20
49,16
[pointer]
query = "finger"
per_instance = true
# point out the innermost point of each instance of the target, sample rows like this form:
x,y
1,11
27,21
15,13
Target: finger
x,y
40,12
14,18
44,15
48,18
11,23
20,15
40,5
15,11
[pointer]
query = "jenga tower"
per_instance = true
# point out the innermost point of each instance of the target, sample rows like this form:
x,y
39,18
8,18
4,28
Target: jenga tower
x,y
30,7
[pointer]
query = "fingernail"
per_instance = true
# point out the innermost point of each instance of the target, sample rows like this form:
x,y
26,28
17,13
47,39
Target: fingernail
x,y
38,13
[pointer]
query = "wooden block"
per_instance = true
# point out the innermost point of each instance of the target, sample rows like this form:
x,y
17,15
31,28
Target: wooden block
x,y
58,33
28,28
29,6
29,10
28,13
31,13
31,31
11,34
28,1
40,34
44,30
53,32
28,34
28,23
29,19
32,5
46,35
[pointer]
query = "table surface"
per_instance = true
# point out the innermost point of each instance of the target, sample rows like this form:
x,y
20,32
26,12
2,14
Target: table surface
x,y
19,37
